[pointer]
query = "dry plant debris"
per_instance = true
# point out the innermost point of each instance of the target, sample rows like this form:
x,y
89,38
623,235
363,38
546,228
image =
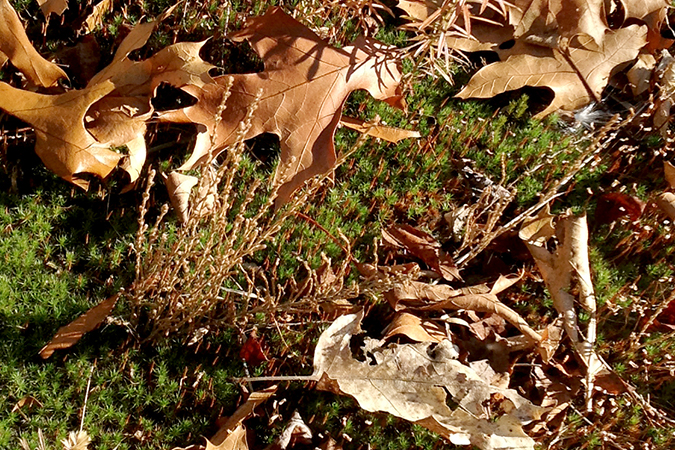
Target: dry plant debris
x,y
424,247
567,46
412,381
76,440
232,434
567,271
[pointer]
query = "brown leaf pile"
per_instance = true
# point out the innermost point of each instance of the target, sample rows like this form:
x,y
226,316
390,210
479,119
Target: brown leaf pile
x,y
567,46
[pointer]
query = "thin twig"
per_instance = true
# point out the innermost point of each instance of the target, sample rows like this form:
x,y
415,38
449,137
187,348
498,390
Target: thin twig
x,y
86,396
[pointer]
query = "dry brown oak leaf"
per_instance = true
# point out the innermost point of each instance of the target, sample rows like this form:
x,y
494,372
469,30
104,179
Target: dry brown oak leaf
x,y
302,91
566,18
53,6
121,117
570,74
62,142
534,27
413,381
15,46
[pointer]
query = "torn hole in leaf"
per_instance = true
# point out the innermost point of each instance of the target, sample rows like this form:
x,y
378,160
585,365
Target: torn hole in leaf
x,y
169,97
483,58
449,401
237,57
356,345
172,143
538,98
507,44
265,148
616,15
667,31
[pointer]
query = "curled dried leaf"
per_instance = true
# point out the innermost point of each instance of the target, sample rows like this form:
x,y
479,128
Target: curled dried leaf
x,y
235,421
423,246
576,75
15,46
68,335
63,144
180,187
414,328
389,134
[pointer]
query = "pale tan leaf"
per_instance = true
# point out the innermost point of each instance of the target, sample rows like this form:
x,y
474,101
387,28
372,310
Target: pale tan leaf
x,y
428,297
487,373
582,16
417,9
26,402
95,19
662,116
500,38
16,47
180,65
235,421
179,187
567,274
207,192
412,381
53,6
296,431
470,45
133,162
408,271
669,173
304,86
557,270
538,229
486,303
414,328
538,17
551,337
76,441
640,74
235,440
389,134
643,8
504,282
666,201
415,294
568,82
68,335
62,142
